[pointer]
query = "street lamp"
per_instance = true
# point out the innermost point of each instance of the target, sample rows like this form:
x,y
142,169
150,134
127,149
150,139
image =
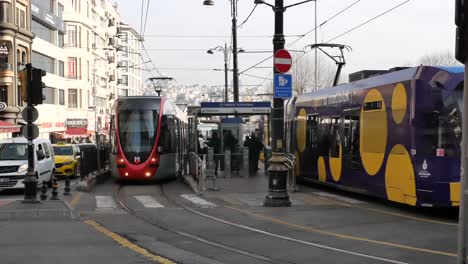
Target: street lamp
x,y
235,74
225,52
96,133
277,171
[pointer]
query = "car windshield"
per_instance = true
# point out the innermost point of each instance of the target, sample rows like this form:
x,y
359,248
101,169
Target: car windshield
x,y
13,151
65,150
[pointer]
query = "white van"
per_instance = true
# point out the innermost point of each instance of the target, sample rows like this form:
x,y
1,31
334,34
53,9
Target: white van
x,y
14,161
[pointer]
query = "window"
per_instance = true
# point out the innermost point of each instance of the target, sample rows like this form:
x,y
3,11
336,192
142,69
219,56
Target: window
x,y
5,16
60,10
46,150
377,105
72,69
49,94
61,97
61,38
72,98
61,66
20,15
351,139
72,34
44,62
42,31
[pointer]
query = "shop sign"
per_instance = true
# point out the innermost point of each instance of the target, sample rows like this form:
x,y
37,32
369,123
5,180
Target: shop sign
x,y
79,122
4,51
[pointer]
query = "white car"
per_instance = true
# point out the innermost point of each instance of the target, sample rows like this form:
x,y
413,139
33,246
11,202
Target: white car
x,y
14,162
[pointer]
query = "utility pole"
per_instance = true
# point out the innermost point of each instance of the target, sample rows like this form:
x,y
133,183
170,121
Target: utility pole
x,y
226,98
461,53
235,70
277,194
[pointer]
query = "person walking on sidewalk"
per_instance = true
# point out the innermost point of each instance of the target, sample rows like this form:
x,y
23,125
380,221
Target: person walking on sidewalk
x,y
215,143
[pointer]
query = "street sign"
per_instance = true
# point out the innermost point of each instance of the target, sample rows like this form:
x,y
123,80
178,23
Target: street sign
x,y
282,61
232,108
35,131
283,86
34,114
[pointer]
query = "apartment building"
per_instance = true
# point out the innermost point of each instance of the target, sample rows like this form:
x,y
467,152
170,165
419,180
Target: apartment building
x,y
130,62
75,44
15,51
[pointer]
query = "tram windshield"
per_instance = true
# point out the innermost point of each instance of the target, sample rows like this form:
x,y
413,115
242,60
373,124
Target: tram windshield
x,y
137,132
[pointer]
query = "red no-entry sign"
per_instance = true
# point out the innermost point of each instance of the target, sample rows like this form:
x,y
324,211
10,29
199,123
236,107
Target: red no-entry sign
x,y
282,61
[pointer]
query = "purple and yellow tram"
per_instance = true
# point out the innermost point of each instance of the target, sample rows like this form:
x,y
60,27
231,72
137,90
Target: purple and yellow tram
x,y
395,136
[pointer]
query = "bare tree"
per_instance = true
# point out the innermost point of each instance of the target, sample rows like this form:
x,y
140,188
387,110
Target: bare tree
x,y
445,58
303,74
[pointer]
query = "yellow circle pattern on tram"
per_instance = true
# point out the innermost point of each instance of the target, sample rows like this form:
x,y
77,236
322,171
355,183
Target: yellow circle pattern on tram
x,y
373,132
399,176
301,130
335,165
322,172
298,164
399,103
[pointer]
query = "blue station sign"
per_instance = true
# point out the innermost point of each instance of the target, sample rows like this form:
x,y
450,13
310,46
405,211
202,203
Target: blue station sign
x,y
232,108
283,86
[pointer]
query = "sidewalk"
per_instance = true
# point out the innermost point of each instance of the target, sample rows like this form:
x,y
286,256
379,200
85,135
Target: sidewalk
x,y
47,232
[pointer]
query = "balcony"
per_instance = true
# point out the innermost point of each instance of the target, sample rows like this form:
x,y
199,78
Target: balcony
x,y
111,78
111,59
122,81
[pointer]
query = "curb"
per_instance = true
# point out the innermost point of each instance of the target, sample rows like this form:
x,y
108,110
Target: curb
x,y
91,180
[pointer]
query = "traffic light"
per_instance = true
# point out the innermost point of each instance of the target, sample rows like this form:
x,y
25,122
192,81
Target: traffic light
x,y
24,84
36,86
461,20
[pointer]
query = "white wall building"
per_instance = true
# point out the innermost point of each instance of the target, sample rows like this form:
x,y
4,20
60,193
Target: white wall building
x,y
78,52
130,62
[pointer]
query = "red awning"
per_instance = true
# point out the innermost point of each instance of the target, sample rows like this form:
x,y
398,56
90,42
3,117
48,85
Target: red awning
x,y
6,127
76,131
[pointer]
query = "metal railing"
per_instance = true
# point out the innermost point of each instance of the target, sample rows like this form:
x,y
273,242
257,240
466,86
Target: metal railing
x,y
197,170
291,164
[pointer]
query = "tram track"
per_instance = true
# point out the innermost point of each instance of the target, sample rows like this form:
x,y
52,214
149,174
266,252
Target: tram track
x,y
160,224
277,236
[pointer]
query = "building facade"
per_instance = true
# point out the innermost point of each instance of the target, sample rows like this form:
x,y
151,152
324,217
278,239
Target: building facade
x,y
15,51
78,52
130,62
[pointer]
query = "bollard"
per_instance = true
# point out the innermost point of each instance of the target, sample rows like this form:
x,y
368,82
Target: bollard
x,y
54,190
44,191
67,187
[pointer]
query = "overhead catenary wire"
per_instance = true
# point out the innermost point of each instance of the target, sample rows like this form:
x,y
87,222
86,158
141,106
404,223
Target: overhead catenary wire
x,y
303,35
251,12
146,17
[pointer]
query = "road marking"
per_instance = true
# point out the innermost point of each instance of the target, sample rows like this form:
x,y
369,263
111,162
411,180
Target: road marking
x,y
339,197
198,201
75,200
148,201
105,202
4,202
343,236
125,243
296,240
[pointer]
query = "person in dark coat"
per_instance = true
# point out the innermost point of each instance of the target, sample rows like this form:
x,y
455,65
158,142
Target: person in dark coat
x,y
257,147
249,143
215,143
230,141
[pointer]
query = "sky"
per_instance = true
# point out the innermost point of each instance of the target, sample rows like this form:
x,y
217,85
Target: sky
x,y
179,32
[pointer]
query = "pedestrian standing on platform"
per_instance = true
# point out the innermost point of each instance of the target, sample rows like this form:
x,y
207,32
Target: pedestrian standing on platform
x,y
215,143
257,147
248,143
202,146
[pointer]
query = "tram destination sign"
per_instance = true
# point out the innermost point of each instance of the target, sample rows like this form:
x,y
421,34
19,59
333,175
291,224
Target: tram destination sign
x,y
232,108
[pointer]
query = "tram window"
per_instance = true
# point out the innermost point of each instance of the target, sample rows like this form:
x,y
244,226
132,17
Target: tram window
x,y
323,145
376,105
311,135
113,138
166,137
335,133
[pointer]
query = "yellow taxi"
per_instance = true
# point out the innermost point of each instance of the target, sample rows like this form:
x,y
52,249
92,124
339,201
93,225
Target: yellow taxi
x,y
67,160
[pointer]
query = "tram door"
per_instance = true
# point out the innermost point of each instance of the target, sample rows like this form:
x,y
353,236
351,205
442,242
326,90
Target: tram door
x,y
310,156
351,156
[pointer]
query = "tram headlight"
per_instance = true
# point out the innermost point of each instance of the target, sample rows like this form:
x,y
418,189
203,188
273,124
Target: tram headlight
x,y
126,174
147,174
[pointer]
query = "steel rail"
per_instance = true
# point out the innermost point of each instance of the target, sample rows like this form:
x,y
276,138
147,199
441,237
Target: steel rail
x,y
167,227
